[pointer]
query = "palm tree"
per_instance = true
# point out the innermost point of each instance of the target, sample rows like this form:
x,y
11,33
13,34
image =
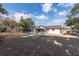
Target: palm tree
x,y
75,9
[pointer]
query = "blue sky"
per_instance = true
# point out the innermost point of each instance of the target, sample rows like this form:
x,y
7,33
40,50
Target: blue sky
x,y
41,13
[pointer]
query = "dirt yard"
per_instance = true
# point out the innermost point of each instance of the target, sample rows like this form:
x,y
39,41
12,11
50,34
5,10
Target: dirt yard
x,y
40,45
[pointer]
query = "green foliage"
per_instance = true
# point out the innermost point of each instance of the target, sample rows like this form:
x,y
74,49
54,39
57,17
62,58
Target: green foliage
x,y
2,10
29,21
75,9
69,21
2,29
73,20
24,23
9,22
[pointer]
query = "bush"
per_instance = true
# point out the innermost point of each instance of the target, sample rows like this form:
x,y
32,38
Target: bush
x,y
2,29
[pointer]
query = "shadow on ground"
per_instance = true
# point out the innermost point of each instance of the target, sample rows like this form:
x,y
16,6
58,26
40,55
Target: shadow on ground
x,y
39,46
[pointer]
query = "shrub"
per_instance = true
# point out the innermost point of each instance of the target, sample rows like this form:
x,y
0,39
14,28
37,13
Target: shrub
x,y
2,29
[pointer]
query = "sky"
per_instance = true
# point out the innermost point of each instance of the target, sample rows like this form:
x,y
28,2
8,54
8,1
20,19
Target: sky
x,y
41,13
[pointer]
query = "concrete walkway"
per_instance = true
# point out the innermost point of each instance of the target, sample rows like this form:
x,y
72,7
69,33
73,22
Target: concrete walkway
x,y
65,36
60,35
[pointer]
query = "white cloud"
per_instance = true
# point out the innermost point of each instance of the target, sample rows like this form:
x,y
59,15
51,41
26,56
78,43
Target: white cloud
x,y
3,17
24,11
62,13
69,5
47,7
17,15
56,22
66,4
41,17
55,10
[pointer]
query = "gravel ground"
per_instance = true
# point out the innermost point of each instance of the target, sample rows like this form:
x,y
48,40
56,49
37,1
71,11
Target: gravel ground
x,y
38,46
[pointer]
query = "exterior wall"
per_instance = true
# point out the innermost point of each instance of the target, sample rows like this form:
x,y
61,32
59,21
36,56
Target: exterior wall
x,y
55,31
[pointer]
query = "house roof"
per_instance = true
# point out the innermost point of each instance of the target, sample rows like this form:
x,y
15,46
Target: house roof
x,y
40,27
52,27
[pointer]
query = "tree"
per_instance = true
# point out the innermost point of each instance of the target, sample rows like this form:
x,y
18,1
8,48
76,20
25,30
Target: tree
x,y
69,21
10,24
2,10
72,20
24,23
75,9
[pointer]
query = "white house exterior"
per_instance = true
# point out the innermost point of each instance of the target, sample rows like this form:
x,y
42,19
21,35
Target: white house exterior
x,y
47,29
53,29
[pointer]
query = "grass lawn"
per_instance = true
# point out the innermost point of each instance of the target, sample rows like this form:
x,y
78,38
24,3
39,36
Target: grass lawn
x,y
11,45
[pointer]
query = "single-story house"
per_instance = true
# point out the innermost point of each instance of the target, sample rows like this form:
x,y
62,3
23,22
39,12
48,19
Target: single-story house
x,y
53,29
40,29
45,29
